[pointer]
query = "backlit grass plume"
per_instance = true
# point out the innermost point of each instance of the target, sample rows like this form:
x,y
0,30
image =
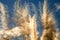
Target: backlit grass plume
x,y
3,17
32,26
27,23
22,19
49,24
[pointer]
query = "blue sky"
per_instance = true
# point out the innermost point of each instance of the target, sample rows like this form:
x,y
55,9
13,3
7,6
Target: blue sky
x,y
51,3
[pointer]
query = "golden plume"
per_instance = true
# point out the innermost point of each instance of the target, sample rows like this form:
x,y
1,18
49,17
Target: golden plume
x,y
49,23
32,26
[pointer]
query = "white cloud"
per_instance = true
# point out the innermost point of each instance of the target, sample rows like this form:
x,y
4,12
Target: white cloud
x,y
57,6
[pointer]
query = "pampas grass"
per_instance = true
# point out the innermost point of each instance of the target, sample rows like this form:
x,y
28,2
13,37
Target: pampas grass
x,y
49,24
23,20
3,14
32,26
26,24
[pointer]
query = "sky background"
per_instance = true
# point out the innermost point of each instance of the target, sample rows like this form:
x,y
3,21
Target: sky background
x,y
54,6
